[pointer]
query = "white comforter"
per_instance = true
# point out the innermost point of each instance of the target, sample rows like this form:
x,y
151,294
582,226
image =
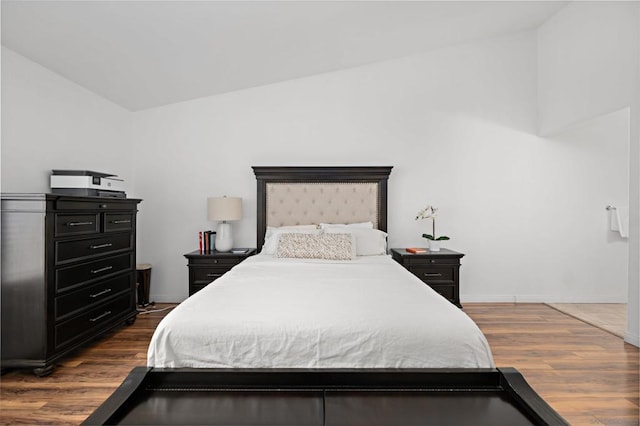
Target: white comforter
x,y
284,313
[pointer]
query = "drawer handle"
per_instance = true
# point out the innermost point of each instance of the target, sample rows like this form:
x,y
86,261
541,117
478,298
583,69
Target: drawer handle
x,y
432,274
100,246
102,206
214,275
105,291
121,221
106,313
79,223
97,271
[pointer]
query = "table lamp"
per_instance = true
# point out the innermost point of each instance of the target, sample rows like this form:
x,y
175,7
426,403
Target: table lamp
x,y
223,209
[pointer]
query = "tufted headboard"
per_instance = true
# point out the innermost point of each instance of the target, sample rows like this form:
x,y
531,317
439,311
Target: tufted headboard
x,y
310,195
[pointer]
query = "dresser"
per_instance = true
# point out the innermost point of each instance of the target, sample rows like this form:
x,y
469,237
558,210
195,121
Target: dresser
x,y
207,267
68,274
439,269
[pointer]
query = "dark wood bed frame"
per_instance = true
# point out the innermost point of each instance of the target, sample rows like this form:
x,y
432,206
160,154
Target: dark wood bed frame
x,y
391,397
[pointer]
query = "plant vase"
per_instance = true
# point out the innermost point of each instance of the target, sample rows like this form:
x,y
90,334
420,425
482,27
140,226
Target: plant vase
x,y
434,245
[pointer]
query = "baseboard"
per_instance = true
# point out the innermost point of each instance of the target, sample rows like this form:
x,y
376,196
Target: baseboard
x,y
539,298
632,339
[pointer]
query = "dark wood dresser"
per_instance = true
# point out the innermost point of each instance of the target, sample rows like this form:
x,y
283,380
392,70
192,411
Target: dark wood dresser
x,y
207,267
68,274
439,269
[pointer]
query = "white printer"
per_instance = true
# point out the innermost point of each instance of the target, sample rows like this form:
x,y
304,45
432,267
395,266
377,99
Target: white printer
x,y
87,183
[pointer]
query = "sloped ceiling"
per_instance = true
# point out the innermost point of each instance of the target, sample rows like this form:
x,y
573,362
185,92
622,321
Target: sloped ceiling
x,y
144,54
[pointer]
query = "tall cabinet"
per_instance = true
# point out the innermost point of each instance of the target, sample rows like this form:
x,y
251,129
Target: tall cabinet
x,y
68,274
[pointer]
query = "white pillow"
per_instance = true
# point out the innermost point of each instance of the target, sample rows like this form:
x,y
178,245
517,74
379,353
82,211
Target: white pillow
x,y
289,228
364,225
338,246
273,234
369,242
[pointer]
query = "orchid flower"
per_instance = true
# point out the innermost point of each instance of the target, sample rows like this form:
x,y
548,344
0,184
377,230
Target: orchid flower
x,y
429,212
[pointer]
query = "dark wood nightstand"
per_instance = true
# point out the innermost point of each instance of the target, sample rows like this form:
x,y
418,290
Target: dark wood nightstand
x,y
439,269
207,267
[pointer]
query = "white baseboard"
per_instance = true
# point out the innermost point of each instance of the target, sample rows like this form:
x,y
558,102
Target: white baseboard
x,y
632,339
539,298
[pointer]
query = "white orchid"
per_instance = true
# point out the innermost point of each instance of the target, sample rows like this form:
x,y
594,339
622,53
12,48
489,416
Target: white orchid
x,y
429,212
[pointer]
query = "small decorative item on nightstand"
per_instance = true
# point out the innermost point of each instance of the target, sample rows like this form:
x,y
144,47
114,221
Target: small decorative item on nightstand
x,y
439,270
429,212
207,267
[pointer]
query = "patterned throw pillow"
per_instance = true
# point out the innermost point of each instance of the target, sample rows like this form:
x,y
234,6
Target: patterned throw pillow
x,y
316,246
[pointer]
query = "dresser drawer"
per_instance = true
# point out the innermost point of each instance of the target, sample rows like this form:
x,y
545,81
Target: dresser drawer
x,y
90,295
76,328
430,274
73,276
76,249
104,204
118,222
76,224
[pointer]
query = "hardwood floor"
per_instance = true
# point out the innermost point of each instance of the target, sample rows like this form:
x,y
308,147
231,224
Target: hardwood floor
x,y
611,317
588,375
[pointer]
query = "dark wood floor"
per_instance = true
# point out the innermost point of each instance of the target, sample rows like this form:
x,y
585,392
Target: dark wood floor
x,y
588,375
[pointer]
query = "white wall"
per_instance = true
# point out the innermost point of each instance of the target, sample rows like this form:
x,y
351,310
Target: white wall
x,y
50,123
457,124
589,62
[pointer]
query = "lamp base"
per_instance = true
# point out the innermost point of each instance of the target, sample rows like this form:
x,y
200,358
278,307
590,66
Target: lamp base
x,y
224,238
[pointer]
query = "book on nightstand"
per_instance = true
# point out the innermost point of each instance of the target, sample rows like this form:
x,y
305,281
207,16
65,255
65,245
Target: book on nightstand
x,y
416,250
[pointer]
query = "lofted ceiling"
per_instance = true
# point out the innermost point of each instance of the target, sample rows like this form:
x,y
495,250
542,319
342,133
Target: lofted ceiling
x,y
144,54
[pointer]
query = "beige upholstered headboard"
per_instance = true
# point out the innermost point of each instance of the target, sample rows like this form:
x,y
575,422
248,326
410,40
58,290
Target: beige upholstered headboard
x,y
311,195
293,203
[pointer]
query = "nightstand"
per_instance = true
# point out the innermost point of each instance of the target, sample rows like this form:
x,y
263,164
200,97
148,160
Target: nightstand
x,y
207,267
439,269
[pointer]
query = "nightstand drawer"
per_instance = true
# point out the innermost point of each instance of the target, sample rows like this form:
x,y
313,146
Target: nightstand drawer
x,y
446,291
202,275
433,273
225,263
432,261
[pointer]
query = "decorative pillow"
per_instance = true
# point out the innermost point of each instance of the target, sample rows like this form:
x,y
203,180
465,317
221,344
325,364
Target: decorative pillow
x,y
365,225
369,242
316,246
273,235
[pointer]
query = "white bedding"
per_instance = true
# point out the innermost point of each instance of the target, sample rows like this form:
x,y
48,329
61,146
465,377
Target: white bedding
x,y
284,313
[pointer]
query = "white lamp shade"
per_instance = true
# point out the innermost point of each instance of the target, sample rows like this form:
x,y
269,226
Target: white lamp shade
x,y
224,208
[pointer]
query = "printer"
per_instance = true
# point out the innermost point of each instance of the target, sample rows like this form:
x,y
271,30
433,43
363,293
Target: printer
x,y
87,183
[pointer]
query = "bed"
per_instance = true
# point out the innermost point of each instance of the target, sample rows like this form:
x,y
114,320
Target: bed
x,y
280,340
272,311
